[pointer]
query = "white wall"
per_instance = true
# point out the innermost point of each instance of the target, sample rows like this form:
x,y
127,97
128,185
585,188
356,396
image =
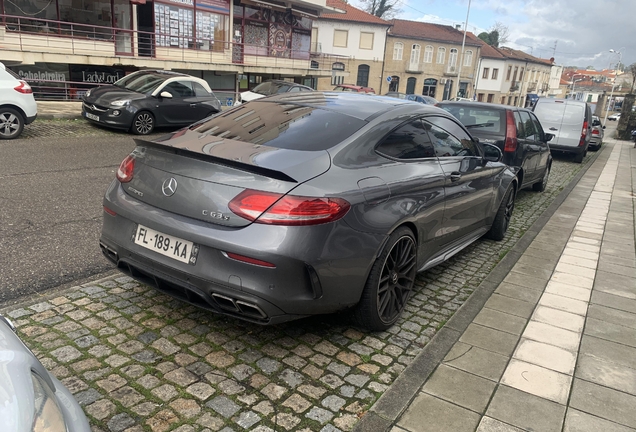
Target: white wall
x,y
325,39
489,84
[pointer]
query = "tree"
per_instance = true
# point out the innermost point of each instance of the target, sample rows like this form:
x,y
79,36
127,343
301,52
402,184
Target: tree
x,y
498,35
632,70
386,9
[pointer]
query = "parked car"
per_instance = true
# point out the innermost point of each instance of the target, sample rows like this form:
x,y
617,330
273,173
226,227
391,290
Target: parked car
x,y
596,140
516,131
271,87
571,123
396,95
615,117
314,205
460,99
17,104
422,99
353,88
143,100
32,399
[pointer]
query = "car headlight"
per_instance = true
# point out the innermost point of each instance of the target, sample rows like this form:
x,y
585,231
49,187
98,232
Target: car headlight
x,y
88,93
119,103
47,416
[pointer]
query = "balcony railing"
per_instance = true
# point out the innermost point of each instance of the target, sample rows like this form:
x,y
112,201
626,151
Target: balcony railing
x,y
59,37
532,86
514,86
451,70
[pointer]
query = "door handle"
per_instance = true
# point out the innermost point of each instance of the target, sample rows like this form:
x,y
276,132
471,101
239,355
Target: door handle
x,y
455,176
553,128
192,105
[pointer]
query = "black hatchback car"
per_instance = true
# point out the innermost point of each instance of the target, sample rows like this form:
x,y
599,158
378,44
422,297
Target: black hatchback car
x,y
516,131
143,100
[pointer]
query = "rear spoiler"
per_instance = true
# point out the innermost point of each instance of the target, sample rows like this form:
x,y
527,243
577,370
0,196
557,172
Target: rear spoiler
x,y
207,152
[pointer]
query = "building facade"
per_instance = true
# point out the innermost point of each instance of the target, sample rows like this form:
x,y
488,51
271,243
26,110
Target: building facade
x,y
512,77
424,58
64,46
353,44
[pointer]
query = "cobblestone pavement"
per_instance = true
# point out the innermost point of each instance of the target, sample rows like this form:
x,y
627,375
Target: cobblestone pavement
x,y
137,360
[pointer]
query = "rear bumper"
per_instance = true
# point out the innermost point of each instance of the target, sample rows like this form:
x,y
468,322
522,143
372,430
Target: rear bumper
x,y
31,119
568,149
319,269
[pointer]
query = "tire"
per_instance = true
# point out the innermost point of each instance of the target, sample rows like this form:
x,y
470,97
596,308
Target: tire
x,y
543,183
11,123
579,157
502,218
390,283
143,123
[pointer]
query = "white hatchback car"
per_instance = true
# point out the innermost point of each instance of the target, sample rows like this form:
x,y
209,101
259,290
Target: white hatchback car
x,y
17,104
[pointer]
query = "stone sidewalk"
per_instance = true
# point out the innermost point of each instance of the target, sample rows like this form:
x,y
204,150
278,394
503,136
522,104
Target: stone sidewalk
x,y
554,346
48,110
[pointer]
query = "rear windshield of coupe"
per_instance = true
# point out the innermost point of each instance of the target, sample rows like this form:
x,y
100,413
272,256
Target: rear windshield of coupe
x,y
479,120
269,88
282,125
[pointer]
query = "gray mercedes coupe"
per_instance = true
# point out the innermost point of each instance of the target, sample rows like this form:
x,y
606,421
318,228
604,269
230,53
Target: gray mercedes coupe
x,y
304,204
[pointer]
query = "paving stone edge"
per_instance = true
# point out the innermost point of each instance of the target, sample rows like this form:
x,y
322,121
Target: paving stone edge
x,y
388,408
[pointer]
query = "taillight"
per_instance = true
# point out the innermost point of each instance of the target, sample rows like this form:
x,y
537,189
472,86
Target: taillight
x,y
595,132
583,134
511,133
276,209
109,211
126,168
23,88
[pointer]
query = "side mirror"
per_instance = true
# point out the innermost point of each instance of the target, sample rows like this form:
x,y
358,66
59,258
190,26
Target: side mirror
x,y
603,127
165,94
492,153
548,137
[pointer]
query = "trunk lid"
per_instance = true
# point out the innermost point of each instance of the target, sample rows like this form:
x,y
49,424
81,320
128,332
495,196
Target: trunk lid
x,y
199,179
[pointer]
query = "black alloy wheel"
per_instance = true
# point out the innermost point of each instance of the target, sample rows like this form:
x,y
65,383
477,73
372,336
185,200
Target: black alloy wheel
x,y
143,123
390,283
503,216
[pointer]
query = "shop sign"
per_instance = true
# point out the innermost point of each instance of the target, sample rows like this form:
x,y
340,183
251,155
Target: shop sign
x,y
42,72
222,6
95,74
181,2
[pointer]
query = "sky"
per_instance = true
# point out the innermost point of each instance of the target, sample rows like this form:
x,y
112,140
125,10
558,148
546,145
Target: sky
x,y
583,31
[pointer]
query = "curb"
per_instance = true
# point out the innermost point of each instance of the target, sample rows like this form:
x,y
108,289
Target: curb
x,y
58,117
388,408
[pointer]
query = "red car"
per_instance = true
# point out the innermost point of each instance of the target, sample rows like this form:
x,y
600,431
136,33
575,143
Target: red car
x,y
353,88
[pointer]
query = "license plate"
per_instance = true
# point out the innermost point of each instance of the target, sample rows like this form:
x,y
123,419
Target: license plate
x,y
167,245
92,116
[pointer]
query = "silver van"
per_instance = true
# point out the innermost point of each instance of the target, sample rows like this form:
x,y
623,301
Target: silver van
x,y
571,123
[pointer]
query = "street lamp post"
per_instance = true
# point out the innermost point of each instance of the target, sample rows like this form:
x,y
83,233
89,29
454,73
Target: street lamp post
x,y
574,84
461,59
620,59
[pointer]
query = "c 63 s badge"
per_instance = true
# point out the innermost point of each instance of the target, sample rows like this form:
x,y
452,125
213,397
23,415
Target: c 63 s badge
x,y
215,215
135,191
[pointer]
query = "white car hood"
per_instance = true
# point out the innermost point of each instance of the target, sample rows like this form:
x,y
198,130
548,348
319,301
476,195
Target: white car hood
x,y
250,96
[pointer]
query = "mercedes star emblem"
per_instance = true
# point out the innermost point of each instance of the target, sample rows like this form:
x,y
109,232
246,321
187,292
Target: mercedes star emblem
x,y
169,187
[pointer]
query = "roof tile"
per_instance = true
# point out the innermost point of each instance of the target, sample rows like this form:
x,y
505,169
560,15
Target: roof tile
x,y
430,31
352,14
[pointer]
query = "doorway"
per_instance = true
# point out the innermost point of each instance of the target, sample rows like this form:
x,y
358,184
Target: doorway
x,y
146,27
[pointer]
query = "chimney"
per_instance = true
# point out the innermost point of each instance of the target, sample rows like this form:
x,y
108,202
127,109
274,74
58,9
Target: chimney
x,y
458,26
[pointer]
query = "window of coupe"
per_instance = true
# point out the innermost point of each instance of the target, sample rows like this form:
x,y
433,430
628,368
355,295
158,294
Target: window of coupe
x,y
199,90
449,139
409,141
269,88
278,125
179,89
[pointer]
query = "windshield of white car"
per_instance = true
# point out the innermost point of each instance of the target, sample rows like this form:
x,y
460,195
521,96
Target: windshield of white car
x,y
144,83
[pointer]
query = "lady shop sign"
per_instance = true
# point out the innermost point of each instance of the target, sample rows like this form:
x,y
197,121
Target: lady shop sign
x,y
95,74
